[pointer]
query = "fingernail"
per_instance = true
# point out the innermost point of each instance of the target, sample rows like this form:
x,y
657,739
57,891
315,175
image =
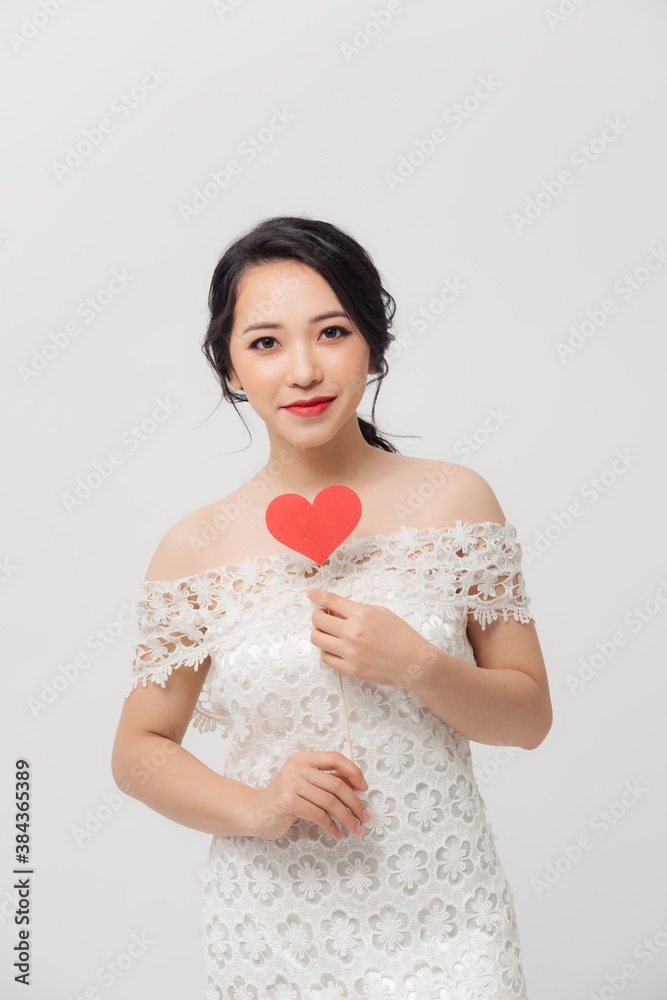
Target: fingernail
x,y
363,785
365,815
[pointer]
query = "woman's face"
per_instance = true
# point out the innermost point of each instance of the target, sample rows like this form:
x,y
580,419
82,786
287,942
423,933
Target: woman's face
x,y
291,340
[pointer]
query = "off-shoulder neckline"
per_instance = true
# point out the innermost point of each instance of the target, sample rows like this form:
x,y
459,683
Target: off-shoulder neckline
x,y
404,532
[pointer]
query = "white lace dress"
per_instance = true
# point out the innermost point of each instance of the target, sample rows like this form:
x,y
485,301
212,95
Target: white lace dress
x,y
424,910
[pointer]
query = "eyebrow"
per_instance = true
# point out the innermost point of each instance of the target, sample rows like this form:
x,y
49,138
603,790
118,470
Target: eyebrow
x,y
278,326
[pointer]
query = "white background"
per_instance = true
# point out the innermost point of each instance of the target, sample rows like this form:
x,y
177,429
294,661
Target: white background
x,y
69,570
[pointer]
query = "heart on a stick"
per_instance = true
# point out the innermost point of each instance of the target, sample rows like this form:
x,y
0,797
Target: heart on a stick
x,y
316,529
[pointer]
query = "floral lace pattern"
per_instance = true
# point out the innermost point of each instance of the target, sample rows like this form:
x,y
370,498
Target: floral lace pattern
x,y
423,909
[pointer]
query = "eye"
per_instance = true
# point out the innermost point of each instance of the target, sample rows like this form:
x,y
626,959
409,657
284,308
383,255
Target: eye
x,y
262,340
259,340
342,329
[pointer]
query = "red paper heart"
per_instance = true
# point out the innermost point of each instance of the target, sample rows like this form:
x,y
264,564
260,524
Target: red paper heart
x,y
314,529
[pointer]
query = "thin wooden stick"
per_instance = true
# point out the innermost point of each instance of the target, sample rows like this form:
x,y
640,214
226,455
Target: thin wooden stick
x,y
342,693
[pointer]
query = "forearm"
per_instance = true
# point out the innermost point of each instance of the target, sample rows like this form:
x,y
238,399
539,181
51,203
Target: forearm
x,y
500,707
175,783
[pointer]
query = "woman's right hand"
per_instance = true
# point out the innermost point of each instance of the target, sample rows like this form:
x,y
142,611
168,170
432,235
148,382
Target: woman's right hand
x,y
305,788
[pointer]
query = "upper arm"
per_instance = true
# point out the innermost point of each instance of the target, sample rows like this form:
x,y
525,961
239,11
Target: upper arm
x,y
509,645
165,711
171,647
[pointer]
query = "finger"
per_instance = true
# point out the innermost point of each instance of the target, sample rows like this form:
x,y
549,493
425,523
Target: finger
x,y
344,791
339,605
329,624
328,644
354,785
343,777
308,810
330,803
332,760
317,807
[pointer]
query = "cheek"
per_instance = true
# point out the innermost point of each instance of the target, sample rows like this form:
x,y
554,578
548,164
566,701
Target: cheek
x,y
259,378
351,366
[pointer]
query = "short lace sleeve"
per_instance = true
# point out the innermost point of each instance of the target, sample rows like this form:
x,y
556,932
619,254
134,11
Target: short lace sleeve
x,y
491,580
171,623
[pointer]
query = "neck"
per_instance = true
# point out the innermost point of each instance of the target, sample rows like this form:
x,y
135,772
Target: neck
x,y
346,459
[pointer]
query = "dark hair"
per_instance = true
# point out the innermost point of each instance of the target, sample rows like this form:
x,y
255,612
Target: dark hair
x,y
344,265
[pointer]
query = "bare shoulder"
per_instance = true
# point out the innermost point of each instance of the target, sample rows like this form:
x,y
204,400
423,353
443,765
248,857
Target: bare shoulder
x,y
467,495
216,533
184,548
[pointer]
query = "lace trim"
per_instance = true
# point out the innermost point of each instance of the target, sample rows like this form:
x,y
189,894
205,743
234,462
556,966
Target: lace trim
x,y
476,567
494,561
172,622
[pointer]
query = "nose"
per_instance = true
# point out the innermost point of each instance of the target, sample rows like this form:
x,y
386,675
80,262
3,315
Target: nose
x,y
302,369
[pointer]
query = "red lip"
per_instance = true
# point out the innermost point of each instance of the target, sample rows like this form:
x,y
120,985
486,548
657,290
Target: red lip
x,y
310,402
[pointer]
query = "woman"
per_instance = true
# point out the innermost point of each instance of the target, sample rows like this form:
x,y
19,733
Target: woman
x,y
425,617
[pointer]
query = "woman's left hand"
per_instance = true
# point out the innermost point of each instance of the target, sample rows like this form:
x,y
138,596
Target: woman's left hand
x,y
368,642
